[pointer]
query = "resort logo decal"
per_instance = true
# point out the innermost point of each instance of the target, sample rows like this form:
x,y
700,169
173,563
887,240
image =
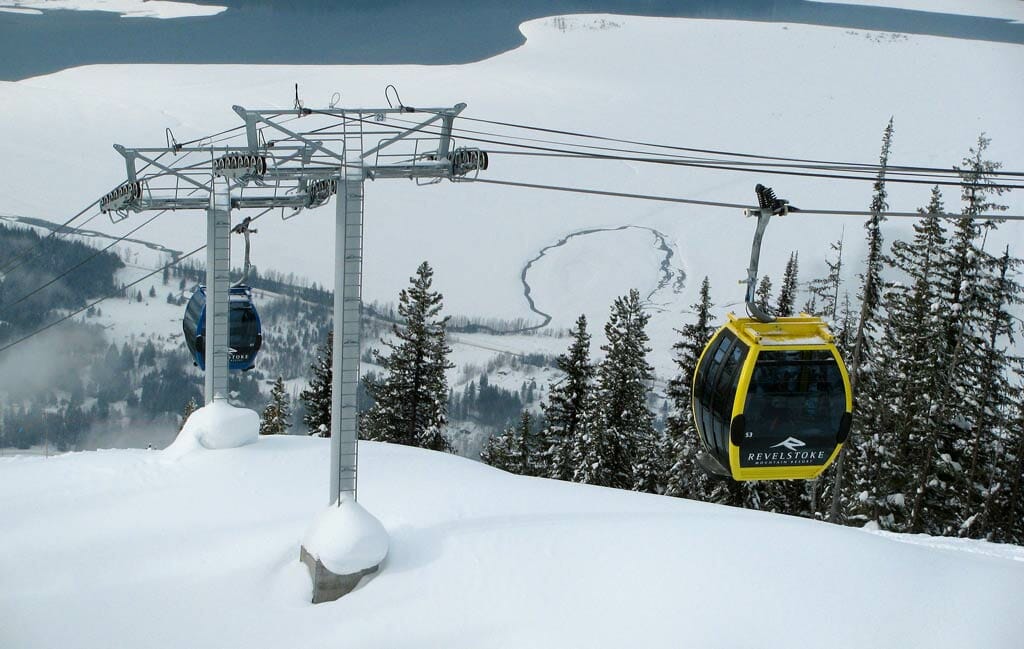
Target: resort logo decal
x,y
789,452
791,443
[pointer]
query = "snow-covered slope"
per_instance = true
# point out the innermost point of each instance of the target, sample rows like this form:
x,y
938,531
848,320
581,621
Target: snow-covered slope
x,y
685,82
137,549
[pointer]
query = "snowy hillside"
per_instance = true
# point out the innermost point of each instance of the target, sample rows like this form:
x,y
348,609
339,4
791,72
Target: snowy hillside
x,y
200,548
138,549
543,257
684,82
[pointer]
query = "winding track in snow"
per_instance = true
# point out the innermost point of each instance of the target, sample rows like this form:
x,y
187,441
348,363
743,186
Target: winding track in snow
x,y
669,275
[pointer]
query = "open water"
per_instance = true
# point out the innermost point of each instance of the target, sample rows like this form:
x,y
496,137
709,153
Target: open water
x,y
395,31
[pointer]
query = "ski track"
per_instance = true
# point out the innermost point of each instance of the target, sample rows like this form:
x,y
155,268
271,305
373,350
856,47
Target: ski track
x,y
669,275
675,277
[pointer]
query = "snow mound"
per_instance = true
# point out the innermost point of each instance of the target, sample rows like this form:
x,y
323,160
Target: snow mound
x,y
216,426
347,539
137,552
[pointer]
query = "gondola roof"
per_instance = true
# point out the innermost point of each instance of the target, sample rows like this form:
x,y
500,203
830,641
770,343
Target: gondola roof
x,y
783,332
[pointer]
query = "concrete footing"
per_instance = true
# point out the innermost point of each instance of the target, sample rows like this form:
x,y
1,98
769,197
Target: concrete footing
x,y
328,586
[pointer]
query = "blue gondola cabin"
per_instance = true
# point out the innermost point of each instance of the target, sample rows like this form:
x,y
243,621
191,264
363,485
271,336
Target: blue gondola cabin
x,y
245,335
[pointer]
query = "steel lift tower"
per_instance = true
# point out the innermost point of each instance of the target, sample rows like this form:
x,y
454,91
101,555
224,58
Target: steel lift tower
x,y
295,159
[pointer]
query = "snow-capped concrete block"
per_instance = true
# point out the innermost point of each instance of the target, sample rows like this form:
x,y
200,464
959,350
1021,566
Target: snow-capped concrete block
x,y
344,544
328,586
218,425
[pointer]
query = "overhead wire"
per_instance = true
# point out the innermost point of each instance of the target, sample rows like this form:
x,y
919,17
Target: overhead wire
x,y
57,231
92,304
814,164
710,151
117,240
138,281
932,175
81,263
936,172
690,201
11,265
726,165
225,131
768,169
689,161
698,163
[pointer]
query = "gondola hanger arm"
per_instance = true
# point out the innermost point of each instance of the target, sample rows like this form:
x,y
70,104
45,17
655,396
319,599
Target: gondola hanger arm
x,y
244,230
768,205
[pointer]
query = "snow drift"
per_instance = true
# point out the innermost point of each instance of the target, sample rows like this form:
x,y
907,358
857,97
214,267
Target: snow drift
x,y
126,548
347,539
216,426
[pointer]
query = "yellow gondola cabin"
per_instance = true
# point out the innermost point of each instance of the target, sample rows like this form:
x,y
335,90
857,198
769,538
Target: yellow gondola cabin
x,y
771,400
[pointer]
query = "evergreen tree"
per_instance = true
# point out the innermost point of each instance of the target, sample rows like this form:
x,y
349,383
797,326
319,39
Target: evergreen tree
x,y
787,294
912,341
825,300
529,456
276,419
516,450
127,363
763,293
685,478
1004,509
861,379
992,418
497,451
147,358
568,402
620,448
190,406
941,503
410,401
316,397
846,325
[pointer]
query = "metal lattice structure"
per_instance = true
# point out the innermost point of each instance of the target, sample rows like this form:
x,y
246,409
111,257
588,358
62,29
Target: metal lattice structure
x,y
297,159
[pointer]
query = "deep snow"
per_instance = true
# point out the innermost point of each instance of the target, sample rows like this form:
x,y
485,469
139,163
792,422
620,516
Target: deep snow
x,y
217,425
137,548
346,538
134,548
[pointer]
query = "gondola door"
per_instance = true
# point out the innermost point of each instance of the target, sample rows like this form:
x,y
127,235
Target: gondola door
x,y
794,417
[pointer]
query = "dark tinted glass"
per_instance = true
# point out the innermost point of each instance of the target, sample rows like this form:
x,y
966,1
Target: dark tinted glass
x,y
716,389
194,308
795,392
708,366
725,384
725,392
702,385
243,329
